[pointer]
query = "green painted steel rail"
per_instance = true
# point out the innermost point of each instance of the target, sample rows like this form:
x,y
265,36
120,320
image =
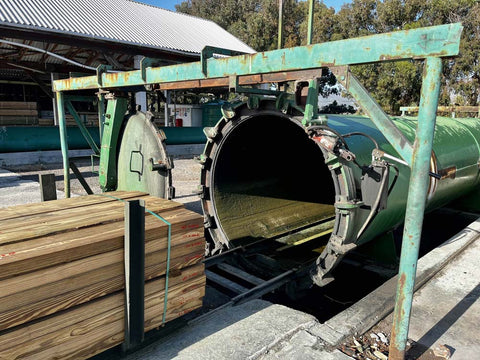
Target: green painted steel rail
x,y
439,41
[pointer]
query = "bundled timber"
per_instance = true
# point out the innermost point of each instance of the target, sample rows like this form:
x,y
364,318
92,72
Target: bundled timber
x,y
18,105
45,122
62,273
18,113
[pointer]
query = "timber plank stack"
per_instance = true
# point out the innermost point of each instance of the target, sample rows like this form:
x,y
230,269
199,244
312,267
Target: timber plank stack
x,y
18,113
87,118
62,273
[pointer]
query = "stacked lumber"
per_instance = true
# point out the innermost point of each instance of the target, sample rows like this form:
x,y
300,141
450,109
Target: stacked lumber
x,y
62,273
45,122
87,118
18,113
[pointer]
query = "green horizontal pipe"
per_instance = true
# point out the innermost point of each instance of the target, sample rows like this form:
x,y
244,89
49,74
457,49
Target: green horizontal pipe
x,y
34,138
454,145
442,40
184,135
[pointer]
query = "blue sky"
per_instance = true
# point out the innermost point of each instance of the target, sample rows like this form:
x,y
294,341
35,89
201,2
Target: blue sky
x,y
170,4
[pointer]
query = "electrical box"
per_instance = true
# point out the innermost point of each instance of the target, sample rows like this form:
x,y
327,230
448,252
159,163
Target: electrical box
x,y
191,115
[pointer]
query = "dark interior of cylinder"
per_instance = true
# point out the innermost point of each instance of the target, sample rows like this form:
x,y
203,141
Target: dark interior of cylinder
x,y
270,179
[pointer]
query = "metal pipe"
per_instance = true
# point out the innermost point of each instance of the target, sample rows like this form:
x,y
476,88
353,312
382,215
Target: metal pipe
x,y
417,193
280,24
12,43
63,142
311,7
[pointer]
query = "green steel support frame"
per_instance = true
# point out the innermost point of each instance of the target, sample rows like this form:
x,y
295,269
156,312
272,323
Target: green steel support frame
x,y
62,124
417,193
116,108
305,63
441,41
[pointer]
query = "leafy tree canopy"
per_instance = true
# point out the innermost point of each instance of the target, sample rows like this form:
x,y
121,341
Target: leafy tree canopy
x,y
392,84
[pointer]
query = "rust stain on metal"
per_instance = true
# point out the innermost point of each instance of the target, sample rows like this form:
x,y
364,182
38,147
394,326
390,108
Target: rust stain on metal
x,y
448,173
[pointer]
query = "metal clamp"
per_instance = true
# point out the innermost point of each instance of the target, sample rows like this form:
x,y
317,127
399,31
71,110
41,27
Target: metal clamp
x,y
134,261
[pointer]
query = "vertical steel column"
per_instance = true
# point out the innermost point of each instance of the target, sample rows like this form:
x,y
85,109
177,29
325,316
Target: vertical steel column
x,y
311,7
63,142
311,108
134,261
280,24
101,114
417,193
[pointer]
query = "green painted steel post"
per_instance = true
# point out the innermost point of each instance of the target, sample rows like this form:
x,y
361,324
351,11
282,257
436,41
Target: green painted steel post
x,y
417,193
63,142
107,171
280,24
311,7
311,107
101,113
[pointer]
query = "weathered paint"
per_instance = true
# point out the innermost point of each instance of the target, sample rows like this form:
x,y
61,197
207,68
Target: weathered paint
x,y
378,116
63,142
311,107
417,193
88,137
440,41
107,171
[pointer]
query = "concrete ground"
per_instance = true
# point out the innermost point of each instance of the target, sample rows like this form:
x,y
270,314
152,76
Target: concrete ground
x,y
446,307
186,177
17,190
446,311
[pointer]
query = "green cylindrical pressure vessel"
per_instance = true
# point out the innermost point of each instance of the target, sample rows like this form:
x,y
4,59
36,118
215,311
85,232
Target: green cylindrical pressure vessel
x,y
35,138
265,176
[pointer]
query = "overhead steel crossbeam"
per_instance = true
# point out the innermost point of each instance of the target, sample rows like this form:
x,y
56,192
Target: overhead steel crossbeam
x,y
435,41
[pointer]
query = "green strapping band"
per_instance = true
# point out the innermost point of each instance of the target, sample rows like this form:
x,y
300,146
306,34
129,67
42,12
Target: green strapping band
x,y
169,242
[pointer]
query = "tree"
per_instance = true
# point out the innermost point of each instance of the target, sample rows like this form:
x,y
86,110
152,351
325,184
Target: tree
x,y
391,84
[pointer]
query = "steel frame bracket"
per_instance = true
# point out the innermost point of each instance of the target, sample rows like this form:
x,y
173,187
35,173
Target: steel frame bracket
x,y
116,109
381,120
101,69
311,106
233,86
209,51
147,62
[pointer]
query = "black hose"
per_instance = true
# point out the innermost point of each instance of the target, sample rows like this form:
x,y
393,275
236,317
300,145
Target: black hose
x,y
365,135
327,128
397,173
337,134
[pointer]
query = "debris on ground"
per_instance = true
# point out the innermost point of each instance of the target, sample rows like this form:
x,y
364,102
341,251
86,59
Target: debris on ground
x,y
371,346
374,346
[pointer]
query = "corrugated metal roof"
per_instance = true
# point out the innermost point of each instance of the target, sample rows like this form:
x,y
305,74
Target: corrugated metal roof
x,y
120,20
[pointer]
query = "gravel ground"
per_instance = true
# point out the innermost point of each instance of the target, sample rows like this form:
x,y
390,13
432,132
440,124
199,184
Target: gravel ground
x,y
186,178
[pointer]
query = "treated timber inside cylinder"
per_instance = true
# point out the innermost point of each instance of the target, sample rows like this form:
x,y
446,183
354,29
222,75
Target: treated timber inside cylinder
x,y
270,179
